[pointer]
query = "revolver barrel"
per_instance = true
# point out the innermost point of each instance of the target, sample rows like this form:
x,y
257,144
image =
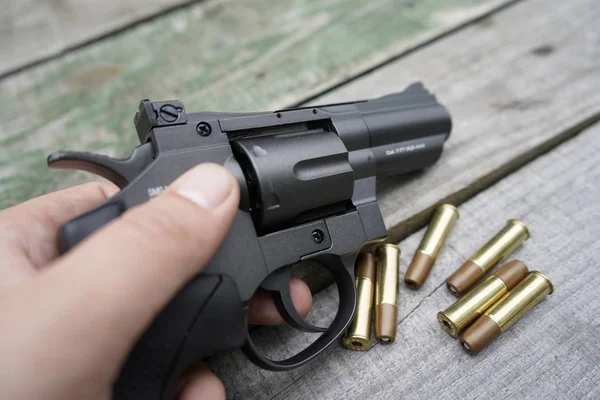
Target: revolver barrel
x,y
400,132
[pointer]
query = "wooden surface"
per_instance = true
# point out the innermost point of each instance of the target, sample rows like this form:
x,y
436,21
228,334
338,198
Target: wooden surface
x,y
215,55
504,115
516,84
552,353
31,30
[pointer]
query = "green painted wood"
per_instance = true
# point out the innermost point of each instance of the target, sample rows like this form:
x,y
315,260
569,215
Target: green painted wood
x,y
215,55
33,30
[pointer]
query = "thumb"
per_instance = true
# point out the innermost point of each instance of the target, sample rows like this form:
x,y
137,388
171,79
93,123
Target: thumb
x,y
107,290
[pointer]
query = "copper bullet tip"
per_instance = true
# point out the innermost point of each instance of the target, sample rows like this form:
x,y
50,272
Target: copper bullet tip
x,y
480,334
464,278
418,270
386,293
386,323
436,234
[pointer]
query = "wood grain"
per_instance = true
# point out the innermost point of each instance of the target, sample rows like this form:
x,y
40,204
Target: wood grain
x,y
214,55
517,84
32,30
505,114
552,353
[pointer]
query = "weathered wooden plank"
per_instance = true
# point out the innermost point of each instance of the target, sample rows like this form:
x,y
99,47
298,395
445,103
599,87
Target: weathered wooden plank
x,y
553,352
513,93
516,83
478,90
215,55
32,30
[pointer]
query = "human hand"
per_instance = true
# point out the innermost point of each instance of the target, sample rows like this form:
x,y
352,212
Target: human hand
x,y
68,322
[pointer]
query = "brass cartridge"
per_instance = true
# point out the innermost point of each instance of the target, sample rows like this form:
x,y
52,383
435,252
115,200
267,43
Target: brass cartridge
x,y
386,293
506,312
499,247
469,307
358,336
438,230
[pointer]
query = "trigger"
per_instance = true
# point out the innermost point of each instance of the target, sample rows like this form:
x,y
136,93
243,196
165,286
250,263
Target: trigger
x,y
285,306
118,171
278,283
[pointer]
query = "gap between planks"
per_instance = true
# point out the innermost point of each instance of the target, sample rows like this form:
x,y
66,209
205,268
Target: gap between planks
x,y
412,224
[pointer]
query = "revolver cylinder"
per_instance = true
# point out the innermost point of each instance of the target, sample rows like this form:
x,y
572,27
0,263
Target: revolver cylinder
x,y
287,175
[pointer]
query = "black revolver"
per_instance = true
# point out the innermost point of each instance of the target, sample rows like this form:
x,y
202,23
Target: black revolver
x,y
307,179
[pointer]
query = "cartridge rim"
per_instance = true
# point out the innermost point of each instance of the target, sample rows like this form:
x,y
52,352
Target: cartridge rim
x,y
522,224
447,324
357,342
538,273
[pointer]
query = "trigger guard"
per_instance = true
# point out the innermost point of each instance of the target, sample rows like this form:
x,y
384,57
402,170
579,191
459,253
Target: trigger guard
x,y
347,305
278,284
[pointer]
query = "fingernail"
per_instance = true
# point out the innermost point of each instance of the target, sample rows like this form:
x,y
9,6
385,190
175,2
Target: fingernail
x,y
207,185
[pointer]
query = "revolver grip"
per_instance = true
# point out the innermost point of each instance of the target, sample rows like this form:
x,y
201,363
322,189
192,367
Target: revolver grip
x,y
190,328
